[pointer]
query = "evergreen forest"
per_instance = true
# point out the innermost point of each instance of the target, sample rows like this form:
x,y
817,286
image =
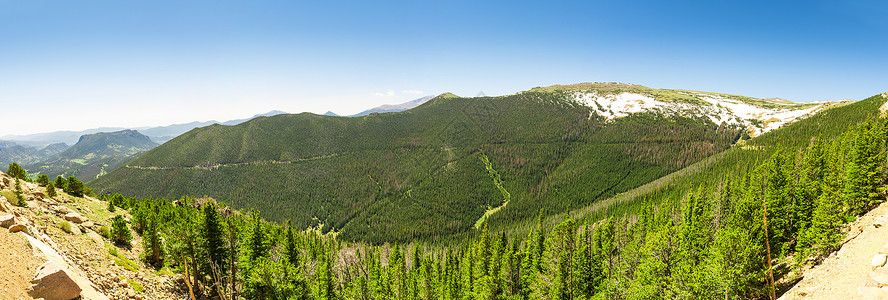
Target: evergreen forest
x,y
731,230
442,169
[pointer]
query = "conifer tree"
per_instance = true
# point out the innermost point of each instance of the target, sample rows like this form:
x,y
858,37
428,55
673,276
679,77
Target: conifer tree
x,y
863,169
120,233
74,187
778,195
43,179
811,179
560,251
20,200
292,247
151,241
739,256
212,240
16,171
258,242
50,190
61,183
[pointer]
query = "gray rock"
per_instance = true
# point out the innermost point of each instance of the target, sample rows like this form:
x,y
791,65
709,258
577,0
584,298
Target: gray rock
x,y
75,217
62,209
7,220
52,283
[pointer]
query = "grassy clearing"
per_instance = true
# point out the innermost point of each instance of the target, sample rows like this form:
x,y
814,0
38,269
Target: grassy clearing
x,y
122,261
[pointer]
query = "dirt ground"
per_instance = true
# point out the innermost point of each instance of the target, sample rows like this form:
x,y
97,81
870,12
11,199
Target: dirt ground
x,y
839,276
16,266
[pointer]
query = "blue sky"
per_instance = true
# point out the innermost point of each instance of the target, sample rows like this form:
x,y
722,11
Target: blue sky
x,y
71,65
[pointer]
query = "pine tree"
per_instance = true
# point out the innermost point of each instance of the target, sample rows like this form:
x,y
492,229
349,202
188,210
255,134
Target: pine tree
x,y
292,247
20,200
120,233
778,195
212,240
258,242
811,178
560,256
151,242
863,174
739,254
43,179
61,183
16,171
51,190
325,288
74,187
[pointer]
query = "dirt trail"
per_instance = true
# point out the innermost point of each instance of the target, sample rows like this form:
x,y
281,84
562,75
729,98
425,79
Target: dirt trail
x,y
840,275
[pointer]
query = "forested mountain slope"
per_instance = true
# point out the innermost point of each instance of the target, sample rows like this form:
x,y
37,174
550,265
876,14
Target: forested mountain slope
x,y
94,154
439,168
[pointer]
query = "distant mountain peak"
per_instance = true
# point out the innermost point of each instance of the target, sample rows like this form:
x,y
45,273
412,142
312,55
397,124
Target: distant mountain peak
x,y
331,114
386,108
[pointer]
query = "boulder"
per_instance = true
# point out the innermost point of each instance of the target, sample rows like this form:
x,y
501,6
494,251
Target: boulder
x,y
7,220
16,228
878,278
88,224
52,283
872,293
5,206
75,217
62,209
75,230
879,260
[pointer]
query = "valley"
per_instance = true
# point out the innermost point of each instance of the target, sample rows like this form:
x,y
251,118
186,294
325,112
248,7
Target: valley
x,y
644,226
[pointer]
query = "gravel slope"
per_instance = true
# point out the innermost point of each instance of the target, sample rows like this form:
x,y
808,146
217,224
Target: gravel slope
x,y
839,276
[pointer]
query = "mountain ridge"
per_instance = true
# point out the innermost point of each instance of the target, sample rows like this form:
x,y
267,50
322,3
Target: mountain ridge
x,y
574,153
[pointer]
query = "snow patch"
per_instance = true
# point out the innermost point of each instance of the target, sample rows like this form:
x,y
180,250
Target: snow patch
x,y
720,110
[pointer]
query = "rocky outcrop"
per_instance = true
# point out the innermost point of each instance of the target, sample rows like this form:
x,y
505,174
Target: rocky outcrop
x,y
52,283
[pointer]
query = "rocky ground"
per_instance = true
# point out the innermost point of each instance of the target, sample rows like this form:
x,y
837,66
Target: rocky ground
x,y
32,238
847,273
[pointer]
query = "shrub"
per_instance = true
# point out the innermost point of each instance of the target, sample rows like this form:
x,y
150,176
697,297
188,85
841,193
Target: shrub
x,y
105,232
65,226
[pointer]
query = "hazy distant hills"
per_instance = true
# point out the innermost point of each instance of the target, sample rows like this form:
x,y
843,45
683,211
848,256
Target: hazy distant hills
x,y
94,154
452,162
386,108
158,134
10,152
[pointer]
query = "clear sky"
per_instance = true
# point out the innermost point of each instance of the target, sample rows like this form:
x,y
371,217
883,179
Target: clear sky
x,y
72,65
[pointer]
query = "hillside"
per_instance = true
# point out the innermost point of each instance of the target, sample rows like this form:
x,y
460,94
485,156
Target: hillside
x,y
60,245
94,154
439,167
10,152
